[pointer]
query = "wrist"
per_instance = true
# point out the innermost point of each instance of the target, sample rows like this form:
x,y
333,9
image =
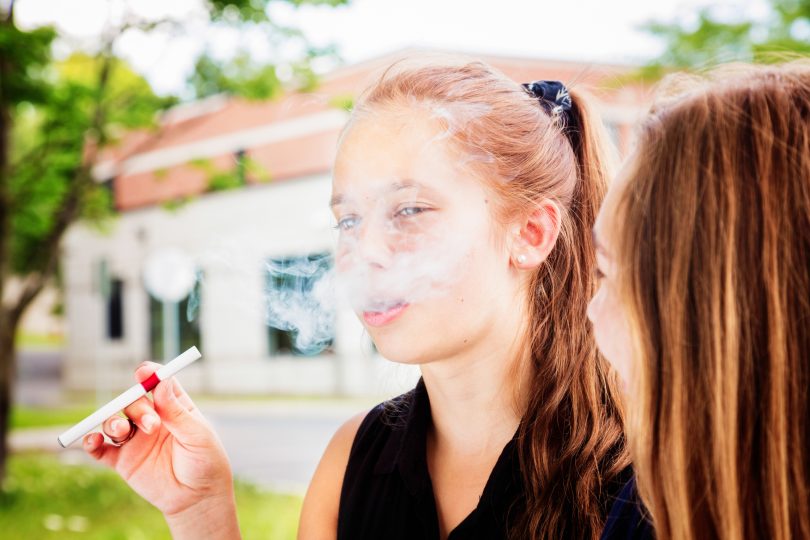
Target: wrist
x,y
212,517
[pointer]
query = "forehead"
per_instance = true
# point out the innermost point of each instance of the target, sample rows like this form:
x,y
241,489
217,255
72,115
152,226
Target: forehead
x,y
398,146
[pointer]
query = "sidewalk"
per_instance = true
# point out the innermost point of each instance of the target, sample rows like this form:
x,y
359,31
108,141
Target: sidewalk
x,y
40,439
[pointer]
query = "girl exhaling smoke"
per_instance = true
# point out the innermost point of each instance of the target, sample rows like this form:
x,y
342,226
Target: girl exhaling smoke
x,y
464,204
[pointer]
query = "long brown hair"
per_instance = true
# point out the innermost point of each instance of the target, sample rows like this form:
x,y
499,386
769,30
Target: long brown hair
x,y
712,241
571,443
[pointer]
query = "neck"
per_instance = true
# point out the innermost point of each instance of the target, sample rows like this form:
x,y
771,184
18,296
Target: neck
x,y
478,398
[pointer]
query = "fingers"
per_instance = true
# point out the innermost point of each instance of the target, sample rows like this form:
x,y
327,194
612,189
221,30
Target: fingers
x,y
145,370
116,428
143,413
95,446
187,426
172,407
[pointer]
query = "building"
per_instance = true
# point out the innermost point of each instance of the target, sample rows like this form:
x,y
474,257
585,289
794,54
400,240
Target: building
x,y
166,187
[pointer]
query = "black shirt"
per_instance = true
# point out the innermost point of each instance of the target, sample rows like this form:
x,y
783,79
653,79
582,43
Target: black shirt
x,y
387,492
627,519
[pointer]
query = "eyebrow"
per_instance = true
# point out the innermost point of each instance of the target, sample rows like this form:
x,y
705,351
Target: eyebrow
x,y
339,198
336,200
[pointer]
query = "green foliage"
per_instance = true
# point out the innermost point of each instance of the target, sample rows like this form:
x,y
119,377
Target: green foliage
x,y
46,499
343,101
256,10
713,39
224,180
238,10
28,55
254,170
239,76
128,100
50,144
175,204
220,179
242,75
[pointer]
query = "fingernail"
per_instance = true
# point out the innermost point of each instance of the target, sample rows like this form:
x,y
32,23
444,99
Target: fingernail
x,y
118,425
149,421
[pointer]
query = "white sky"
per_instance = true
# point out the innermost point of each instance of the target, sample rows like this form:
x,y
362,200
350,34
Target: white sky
x,y
597,30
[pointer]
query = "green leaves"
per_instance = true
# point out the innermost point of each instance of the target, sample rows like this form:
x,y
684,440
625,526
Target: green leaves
x,y
53,140
239,76
256,10
713,39
26,56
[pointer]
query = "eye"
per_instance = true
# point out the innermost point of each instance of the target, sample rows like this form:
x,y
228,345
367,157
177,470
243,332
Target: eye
x,y
347,223
409,211
599,274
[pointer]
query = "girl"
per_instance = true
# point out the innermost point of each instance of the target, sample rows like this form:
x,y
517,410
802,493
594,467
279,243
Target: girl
x,y
465,205
704,307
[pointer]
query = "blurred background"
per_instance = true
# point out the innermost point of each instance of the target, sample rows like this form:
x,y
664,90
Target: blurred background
x,y
164,164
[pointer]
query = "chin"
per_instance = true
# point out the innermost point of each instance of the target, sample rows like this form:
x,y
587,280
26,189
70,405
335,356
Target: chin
x,y
399,347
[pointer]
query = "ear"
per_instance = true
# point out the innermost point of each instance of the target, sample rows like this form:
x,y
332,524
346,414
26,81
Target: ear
x,y
534,236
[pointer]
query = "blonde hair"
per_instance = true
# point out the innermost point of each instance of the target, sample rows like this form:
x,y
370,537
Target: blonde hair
x,y
571,443
712,235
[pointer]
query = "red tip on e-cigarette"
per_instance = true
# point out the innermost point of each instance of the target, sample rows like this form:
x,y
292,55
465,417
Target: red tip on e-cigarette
x,y
151,382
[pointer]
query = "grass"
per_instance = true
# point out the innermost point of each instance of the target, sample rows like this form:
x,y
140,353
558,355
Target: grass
x,y
45,499
27,340
35,417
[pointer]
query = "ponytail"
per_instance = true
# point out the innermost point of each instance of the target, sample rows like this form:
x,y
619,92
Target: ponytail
x,y
571,441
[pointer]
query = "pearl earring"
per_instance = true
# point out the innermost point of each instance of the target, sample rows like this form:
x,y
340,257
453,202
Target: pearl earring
x,y
521,259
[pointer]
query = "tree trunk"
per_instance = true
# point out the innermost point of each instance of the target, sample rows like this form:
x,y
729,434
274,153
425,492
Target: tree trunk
x,y
6,338
7,373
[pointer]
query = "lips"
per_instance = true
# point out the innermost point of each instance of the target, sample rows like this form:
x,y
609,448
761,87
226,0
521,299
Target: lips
x,y
384,316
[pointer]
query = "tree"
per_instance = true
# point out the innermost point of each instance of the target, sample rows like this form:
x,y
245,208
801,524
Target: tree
x,y
55,118
716,37
241,76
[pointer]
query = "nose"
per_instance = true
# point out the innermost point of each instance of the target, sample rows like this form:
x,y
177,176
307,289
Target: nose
x,y
373,245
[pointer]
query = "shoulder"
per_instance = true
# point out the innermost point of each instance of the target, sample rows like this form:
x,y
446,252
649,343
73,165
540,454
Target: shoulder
x,y
319,513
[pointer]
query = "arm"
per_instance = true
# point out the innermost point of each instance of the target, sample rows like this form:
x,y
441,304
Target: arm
x,y
213,518
319,514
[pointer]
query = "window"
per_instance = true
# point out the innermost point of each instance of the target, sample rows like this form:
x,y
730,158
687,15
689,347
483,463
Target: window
x,y
187,331
298,324
115,309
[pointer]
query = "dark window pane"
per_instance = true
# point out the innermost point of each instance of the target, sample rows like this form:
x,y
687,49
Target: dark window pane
x,y
293,278
189,330
115,310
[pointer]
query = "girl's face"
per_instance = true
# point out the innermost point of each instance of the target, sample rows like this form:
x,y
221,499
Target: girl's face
x,y
605,312
418,250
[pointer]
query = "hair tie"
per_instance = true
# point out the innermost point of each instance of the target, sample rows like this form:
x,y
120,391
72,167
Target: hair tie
x,y
553,95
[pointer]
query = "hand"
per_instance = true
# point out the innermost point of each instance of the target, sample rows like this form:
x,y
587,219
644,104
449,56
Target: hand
x,y
175,459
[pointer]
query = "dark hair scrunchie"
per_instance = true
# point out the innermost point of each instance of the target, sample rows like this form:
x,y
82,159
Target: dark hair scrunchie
x,y
556,101
553,95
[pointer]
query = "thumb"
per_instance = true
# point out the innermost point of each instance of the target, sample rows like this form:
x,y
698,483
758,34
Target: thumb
x,y
178,419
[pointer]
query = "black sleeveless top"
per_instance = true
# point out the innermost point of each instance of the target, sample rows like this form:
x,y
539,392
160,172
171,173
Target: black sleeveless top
x,y
387,492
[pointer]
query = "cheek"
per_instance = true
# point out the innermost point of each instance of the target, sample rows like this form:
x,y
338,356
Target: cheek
x,y
610,331
342,257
